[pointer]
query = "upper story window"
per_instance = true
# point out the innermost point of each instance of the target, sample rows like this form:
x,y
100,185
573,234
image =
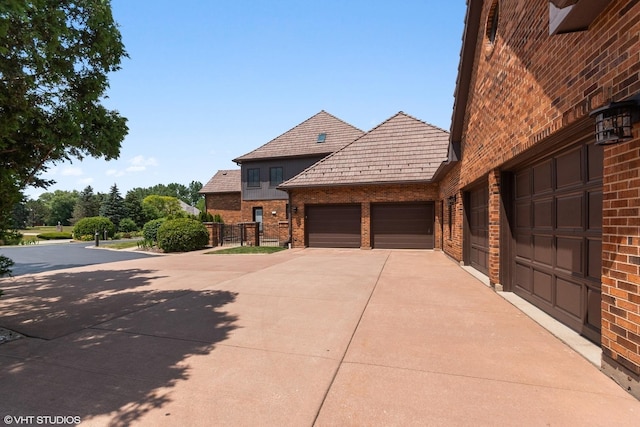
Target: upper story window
x,y
322,137
491,28
253,177
276,176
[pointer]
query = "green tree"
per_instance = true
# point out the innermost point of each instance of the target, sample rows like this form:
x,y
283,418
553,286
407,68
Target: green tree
x,y
55,57
61,204
133,207
88,205
38,212
194,193
162,206
113,206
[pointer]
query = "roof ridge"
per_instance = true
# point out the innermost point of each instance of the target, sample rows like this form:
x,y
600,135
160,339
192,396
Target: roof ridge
x,y
421,121
335,153
296,127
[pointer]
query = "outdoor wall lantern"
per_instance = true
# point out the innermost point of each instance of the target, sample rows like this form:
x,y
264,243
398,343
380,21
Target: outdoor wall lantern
x,y
451,200
614,122
295,209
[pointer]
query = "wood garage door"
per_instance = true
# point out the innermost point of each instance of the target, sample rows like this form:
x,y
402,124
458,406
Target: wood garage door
x,y
333,226
558,237
402,225
478,217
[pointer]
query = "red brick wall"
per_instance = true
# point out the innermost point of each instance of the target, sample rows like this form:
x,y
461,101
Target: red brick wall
x,y
621,259
365,195
527,86
227,205
270,222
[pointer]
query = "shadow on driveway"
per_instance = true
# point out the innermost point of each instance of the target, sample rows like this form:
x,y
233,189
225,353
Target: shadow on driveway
x,y
75,364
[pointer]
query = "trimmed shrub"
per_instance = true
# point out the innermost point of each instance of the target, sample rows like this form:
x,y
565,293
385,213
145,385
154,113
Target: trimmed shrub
x,y
150,229
55,235
88,227
127,225
182,235
205,216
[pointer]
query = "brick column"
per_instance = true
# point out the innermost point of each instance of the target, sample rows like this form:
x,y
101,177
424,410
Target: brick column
x,y
621,265
214,233
494,229
365,230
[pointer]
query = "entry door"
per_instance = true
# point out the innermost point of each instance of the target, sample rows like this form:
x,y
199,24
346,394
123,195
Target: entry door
x,y
257,217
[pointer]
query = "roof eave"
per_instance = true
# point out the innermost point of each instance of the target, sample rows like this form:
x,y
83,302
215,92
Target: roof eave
x,y
352,184
465,68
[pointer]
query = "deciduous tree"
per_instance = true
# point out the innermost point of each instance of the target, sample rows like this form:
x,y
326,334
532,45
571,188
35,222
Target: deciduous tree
x,y
55,57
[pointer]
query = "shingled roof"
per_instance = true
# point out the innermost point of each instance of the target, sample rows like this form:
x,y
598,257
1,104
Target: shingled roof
x,y
401,149
302,140
224,181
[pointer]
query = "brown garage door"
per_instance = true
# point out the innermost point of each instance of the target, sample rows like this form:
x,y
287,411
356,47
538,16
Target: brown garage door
x,y
558,237
478,228
333,226
402,225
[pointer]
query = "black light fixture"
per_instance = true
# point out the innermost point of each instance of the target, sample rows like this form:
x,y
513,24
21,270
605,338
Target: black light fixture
x,y
451,200
614,122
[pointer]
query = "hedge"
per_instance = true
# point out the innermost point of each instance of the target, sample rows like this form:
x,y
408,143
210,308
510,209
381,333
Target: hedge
x,y
182,235
88,226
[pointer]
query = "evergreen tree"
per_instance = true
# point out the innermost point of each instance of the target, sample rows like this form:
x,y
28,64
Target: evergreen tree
x,y
113,206
88,205
133,207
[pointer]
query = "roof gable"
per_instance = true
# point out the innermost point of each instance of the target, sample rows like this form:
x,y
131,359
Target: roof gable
x,y
401,149
224,181
302,140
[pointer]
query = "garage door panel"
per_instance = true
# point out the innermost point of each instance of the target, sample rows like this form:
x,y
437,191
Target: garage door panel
x,y
542,250
523,246
569,297
594,257
569,169
402,225
333,226
543,213
595,210
390,241
564,252
477,252
569,211
542,177
542,285
523,277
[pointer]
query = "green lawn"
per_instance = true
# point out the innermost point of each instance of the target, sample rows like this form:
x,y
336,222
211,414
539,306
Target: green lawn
x,y
120,245
247,250
45,229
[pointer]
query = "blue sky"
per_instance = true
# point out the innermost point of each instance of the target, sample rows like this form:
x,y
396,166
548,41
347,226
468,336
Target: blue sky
x,y
210,80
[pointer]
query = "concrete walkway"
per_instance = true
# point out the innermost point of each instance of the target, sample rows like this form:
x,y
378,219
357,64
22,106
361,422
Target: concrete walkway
x,y
300,338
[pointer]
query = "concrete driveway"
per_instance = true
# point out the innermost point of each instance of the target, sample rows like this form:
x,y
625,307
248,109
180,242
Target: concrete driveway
x,y
300,338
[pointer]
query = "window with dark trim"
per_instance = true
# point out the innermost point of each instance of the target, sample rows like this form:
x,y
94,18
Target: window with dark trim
x,y
253,177
275,176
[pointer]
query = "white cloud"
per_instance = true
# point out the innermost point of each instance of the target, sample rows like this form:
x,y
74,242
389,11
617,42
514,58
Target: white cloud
x,y
71,171
141,161
136,169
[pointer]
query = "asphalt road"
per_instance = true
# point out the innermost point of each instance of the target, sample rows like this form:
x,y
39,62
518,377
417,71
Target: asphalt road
x,y
46,257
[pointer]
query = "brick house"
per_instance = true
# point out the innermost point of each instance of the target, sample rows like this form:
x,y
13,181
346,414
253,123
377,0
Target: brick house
x,y
282,158
375,192
528,197
222,195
